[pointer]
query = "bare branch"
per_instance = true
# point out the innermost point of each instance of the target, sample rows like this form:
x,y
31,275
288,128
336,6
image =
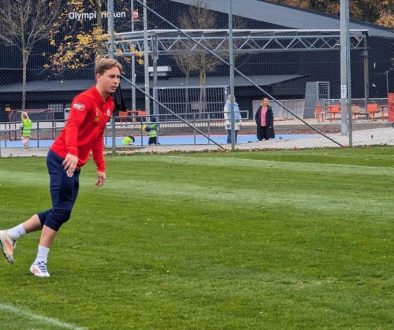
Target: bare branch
x,y
23,23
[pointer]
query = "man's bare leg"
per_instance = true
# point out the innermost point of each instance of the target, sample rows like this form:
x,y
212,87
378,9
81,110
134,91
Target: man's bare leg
x,y
32,224
8,237
48,236
39,266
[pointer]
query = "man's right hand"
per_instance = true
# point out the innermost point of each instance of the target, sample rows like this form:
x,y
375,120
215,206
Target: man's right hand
x,y
70,164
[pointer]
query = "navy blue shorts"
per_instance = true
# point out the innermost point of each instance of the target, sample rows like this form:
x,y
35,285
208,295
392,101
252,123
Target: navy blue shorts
x,y
64,192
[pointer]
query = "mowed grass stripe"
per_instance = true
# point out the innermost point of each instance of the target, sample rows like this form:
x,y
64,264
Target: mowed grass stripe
x,y
239,197
272,192
217,194
337,169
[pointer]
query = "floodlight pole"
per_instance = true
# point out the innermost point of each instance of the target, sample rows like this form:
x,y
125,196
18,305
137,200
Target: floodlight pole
x,y
346,114
154,64
110,15
133,91
146,61
231,61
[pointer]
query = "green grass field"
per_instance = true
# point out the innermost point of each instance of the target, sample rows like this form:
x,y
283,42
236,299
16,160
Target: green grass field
x,y
299,239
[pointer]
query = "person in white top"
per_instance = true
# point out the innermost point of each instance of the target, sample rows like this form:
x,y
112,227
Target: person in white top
x,y
228,118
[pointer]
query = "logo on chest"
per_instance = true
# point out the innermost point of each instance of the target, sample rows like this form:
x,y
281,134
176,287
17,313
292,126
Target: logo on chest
x,y
78,106
97,116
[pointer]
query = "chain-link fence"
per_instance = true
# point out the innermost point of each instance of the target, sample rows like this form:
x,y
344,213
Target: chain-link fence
x,y
186,79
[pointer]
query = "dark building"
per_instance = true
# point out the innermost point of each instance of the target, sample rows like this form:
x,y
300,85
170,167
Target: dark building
x,y
285,73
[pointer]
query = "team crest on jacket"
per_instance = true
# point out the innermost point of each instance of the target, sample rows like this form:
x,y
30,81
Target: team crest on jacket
x,y
108,112
78,106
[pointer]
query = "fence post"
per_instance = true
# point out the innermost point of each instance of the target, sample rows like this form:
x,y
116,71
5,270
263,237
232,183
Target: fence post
x,y
38,134
209,127
141,133
194,131
53,129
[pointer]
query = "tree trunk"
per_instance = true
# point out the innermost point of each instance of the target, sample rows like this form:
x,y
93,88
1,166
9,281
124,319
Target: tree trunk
x,y
97,5
203,79
188,110
25,58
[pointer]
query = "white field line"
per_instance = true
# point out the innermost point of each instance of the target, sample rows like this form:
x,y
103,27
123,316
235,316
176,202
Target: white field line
x,y
43,319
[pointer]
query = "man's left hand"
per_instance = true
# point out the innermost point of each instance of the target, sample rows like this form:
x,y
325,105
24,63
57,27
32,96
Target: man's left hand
x,y
100,179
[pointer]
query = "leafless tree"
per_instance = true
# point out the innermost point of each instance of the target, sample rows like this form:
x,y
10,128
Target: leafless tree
x,y
198,17
25,22
184,60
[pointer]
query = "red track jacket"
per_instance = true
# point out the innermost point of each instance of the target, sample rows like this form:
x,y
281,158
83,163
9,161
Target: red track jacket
x,y
84,129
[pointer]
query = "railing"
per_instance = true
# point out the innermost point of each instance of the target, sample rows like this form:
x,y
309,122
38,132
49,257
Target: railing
x,y
41,130
208,122
359,109
44,132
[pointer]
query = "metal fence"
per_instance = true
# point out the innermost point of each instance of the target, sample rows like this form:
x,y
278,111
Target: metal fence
x,y
187,84
202,133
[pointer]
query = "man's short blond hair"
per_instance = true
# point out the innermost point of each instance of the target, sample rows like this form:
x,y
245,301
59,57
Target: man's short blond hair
x,y
103,64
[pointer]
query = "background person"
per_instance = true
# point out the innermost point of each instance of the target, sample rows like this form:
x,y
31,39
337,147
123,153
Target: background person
x,y
151,128
228,118
82,135
128,140
25,129
264,118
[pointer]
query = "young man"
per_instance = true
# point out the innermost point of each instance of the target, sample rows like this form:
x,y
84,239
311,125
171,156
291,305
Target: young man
x,y
82,135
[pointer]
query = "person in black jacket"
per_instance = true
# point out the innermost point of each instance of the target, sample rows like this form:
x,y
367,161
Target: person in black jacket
x,y
120,104
265,121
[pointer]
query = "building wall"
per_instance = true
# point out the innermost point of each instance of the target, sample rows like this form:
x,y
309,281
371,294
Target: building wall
x,y
318,66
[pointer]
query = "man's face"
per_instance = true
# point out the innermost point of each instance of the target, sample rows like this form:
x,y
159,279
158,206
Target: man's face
x,y
108,82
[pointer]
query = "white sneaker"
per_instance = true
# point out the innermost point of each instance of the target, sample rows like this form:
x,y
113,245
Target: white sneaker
x,y
39,269
8,245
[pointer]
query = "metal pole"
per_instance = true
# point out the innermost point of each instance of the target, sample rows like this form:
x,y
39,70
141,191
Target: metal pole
x,y
110,12
346,118
366,75
155,58
146,61
133,92
387,84
231,61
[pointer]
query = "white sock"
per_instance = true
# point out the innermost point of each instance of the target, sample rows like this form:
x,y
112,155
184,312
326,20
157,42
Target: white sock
x,y
42,254
16,232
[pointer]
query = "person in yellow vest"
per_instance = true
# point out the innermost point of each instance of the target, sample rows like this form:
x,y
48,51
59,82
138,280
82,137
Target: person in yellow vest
x,y
151,128
25,129
128,140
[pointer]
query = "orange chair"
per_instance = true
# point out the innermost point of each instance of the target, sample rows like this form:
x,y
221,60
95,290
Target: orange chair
x,y
384,109
372,109
132,114
355,111
123,117
333,110
137,115
141,116
319,113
